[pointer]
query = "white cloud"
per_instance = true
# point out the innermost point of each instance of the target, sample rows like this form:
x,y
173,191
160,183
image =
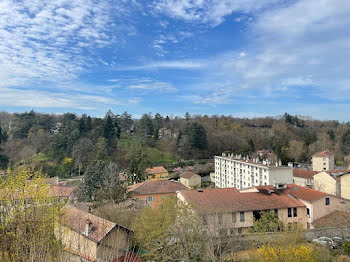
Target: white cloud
x,y
144,84
174,64
208,11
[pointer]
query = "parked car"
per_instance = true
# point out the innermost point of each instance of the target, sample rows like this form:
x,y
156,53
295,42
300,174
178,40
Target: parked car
x,y
334,242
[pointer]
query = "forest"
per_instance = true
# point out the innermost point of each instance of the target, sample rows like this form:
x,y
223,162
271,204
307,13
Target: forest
x,y
65,144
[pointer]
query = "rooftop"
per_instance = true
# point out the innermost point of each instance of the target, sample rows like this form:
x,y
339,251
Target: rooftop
x,y
334,219
231,200
296,191
254,161
188,174
75,219
304,173
156,170
324,153
156,187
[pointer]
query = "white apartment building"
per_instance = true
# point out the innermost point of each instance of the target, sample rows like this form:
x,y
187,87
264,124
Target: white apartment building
x,y
242,172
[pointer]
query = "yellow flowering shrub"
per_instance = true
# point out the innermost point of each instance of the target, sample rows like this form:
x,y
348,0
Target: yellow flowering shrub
x,y
268,253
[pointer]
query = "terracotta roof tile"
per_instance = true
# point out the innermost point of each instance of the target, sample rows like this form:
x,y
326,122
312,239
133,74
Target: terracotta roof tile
x,y
188,174
156,187
76,219
231,200
60,191
156,170
325,153
334,219
304,173
300,192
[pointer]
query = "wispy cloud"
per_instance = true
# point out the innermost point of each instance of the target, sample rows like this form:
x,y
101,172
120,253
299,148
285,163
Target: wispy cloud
x,y
172,64
144,84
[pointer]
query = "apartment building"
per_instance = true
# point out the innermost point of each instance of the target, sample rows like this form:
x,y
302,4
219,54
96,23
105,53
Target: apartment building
x,y
243,172
323,161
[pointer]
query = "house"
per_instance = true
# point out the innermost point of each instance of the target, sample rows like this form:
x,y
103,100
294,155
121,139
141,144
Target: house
x,y
87,237
318,204
153,192
157,172
229,211
304,177
243,172
345,184
190,179
212,177
323,161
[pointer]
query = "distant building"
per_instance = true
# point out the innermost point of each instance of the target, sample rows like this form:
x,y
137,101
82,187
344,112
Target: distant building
x,y
323,161
87,237
157,172
242,172
304,177
153,192
190,179
164,133
229,211
335,219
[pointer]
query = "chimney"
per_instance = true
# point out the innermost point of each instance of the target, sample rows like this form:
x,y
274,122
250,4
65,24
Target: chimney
x,y
88,227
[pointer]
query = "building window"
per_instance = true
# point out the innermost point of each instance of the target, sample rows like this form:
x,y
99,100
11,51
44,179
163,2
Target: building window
x,y
289,212
276,212
232,231
220,219
327,201
233,217
295,213
150,198
308,211
242,219
164,196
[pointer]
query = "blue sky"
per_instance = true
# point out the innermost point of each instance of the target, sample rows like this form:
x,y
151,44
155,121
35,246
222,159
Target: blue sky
x,y
234,57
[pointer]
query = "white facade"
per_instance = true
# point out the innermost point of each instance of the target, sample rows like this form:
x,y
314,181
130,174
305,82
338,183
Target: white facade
x,y
241,173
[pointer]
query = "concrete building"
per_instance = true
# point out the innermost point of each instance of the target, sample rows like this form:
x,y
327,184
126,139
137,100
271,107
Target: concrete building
x,y
153,192
228,211
323,161
304,177
87,237
242,172
190,179
345,185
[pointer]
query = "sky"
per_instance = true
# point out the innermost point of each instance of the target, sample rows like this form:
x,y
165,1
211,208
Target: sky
x,y
245,58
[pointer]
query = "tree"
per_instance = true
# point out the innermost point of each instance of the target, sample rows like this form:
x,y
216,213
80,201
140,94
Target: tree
x,y
102,149
138,162
346,142
101,182
268,222
158,121
125,122
88,126
29,217
83,152
146,125
197,136
187,116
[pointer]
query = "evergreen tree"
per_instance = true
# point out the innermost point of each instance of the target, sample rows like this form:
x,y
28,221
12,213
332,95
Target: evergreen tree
x,y
88,126
197,136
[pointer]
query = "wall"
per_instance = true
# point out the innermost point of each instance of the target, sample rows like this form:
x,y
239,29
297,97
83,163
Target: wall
x,y
325,183
280,175
319,163
159,176
158,198
191,182
301,181
345,186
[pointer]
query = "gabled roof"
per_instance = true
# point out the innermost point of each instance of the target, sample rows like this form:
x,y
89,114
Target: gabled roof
x,y
60,191
150,187
75,219
188,174
231,200
335,219
156,170
296,191
304,173
324,153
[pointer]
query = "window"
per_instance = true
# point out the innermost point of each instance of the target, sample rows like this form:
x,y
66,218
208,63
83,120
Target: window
x,y
241,214
240,231
308,211
233,217
220,219
150,198
164,196
295,214
232,231
327,201
289,212
276,212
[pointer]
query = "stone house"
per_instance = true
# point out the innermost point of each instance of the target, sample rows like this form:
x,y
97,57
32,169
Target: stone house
x,y
190,179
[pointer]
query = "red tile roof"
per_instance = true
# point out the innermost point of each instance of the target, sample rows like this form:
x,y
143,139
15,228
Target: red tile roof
x,y
325,153
231,200
156,170
300,192
304,173
188,174
334,219
156,187
128,258
60,191
75,219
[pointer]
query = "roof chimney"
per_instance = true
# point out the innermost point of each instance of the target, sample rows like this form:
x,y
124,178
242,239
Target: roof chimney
x,y
88,227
